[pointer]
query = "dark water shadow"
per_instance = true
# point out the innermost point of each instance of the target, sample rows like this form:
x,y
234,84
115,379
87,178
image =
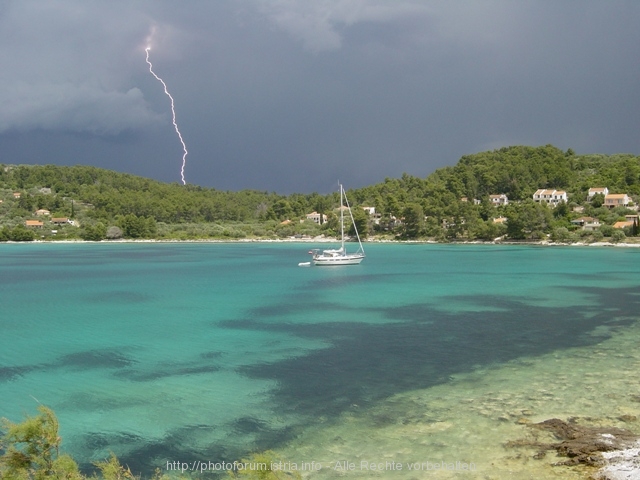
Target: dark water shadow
x,y
365,363
250,435
11,373
92,359
165,372
424,347
85,360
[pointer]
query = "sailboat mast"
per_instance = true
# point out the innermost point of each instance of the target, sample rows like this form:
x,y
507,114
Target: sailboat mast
x,y
341,218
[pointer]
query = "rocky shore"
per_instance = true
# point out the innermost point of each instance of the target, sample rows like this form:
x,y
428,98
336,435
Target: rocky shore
x,y
621,464
615,451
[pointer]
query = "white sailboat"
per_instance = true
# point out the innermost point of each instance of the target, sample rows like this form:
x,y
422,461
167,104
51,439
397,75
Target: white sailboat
x,y
340,256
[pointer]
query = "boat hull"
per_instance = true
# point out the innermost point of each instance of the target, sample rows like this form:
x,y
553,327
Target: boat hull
x,y
321,261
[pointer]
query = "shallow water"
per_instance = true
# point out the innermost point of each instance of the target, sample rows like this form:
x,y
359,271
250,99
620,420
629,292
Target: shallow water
x,y
470,419
423,353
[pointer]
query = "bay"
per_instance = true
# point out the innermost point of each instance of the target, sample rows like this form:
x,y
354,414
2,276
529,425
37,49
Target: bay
x,y
206,352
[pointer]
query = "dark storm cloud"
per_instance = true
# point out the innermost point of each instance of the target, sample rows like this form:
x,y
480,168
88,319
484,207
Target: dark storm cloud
x,y
62,71
290,95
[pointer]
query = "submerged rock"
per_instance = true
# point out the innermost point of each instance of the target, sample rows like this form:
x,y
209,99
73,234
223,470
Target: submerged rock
x,y
585,445
615,450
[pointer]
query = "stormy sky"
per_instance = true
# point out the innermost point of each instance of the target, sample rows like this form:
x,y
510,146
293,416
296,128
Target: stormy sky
x,y
294,95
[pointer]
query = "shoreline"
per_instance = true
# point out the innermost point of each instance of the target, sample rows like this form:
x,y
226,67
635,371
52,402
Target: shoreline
x,y
542,243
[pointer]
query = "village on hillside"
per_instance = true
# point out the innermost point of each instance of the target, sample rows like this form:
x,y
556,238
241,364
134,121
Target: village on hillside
x,y
515,193
596,197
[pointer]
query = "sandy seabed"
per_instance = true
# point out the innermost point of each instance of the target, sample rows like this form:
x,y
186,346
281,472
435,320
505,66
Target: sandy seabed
x,y
472,419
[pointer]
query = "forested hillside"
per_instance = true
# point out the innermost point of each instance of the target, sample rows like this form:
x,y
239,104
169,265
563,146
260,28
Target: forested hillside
x,y
516,172
140,207
107,204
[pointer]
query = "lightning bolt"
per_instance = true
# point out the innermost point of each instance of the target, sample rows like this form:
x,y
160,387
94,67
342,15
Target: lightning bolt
x,y
173,113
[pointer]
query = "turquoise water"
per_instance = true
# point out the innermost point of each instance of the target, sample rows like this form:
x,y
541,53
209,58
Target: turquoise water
x,y
205,352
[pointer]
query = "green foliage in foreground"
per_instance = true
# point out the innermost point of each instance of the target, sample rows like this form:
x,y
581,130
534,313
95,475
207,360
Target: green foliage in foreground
x,y
262,466
30,450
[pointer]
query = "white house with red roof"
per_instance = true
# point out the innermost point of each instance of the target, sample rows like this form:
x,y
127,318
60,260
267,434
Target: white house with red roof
x,y
551,197
598,190
614,200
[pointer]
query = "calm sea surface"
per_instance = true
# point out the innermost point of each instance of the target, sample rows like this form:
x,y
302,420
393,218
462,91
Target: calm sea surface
x,y
423,353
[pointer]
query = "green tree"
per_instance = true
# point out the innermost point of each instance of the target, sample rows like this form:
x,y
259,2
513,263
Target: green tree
x,y
20,233
487,211
361,221
562,210
527,220
413,221
281,210
606,230
137,227
151,227
26,202
563,235
489,230
94,233
112,470
392,206
32,450
617,236
597,200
